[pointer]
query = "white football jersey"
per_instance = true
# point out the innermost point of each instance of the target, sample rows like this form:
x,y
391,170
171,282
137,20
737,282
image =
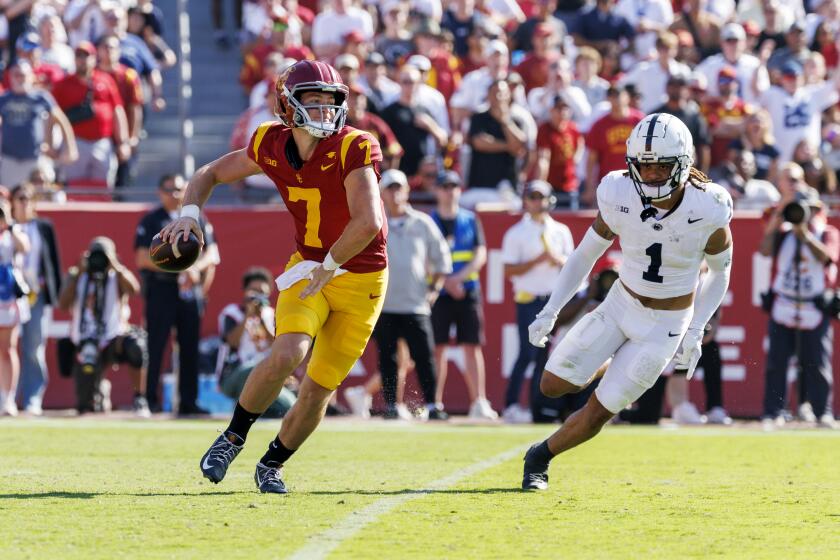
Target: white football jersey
x,y
661,258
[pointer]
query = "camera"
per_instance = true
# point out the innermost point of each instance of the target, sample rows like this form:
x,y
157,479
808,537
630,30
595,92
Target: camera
x,y
259,298
795,213
603,282
88,356
97,261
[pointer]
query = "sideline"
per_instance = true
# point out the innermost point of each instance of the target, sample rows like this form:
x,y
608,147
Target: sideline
x,y
322,544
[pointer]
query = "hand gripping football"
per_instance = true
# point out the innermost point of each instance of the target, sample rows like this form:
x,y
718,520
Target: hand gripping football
x,y
177,256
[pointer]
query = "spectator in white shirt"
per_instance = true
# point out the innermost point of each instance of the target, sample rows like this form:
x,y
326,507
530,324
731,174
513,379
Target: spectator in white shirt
x,y
331,26
651,77
472,93
541,99
54,47
587,69
648,17
796,110
533,251
428,96
380,90
752,77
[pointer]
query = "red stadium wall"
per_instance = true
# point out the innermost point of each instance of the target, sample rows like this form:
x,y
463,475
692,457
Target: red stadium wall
x,y
249,237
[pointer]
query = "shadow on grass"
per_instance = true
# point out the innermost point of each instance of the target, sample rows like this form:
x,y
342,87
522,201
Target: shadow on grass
x,y
411,491
91,495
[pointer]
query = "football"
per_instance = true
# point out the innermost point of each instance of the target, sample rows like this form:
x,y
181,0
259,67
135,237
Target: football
x,y
177,256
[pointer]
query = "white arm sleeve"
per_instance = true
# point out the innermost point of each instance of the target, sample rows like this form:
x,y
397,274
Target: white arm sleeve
x,y
713,289
576,269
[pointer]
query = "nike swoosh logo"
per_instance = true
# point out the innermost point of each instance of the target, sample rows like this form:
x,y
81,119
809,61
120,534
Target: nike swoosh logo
x,y
205,465
690,221
371,296
673,334
325,167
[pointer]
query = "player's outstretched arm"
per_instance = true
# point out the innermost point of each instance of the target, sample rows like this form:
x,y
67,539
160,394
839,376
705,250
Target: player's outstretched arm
x,y
719,258
365,222
597,240
231,167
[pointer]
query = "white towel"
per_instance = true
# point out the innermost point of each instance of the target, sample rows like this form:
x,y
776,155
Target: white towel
x,y
301,271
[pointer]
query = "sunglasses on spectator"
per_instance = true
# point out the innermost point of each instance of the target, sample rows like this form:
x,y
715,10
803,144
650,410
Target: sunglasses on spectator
x,y
534,196
449,186
23,197
171,190
408,82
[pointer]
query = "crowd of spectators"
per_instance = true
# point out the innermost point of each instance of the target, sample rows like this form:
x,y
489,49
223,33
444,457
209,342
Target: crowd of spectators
x,y
507,92
77,77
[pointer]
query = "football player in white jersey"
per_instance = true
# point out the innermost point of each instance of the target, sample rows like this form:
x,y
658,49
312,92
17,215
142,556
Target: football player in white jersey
x,y
668,218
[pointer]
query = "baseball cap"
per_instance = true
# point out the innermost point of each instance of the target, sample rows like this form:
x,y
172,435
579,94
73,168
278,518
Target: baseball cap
x,y
393,177
427,26
537,186
354,36
791,68
420,62
28,42
733,31
86,47
375,59
797,25
347,60
495,47
107,245
727,74
450,177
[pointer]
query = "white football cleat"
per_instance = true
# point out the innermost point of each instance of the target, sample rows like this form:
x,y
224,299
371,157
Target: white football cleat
x,y
806,413
718,415
827,421
686,413
515,414
358,400
403,413
481,409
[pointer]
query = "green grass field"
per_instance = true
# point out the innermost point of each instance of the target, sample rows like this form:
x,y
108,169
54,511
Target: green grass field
x,y
85,488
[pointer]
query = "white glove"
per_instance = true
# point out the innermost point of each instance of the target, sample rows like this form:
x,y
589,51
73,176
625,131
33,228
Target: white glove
x,y
541,327
690,351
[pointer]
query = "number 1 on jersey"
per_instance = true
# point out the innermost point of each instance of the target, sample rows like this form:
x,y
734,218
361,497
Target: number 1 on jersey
x,y
655,253
312,197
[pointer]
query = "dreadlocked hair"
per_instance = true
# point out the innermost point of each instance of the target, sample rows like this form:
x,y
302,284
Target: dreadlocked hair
x,y
697,178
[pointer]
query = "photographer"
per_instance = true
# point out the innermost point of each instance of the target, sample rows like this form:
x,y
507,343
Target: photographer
x,y
95,293
247,331
805,252
14,307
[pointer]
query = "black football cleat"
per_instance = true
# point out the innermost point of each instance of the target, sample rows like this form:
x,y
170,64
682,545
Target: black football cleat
x,y
215,463
535,475
269,479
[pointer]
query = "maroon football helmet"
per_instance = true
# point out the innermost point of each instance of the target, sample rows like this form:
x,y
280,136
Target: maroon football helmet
x,y
309,75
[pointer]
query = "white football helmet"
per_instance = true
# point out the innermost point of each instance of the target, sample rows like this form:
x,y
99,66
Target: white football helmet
x,y
660,138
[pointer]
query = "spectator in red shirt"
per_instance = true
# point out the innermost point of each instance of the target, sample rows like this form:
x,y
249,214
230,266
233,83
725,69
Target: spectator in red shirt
x,y
93,105
131,92
558,143
726,114
606,141
535,67
358,117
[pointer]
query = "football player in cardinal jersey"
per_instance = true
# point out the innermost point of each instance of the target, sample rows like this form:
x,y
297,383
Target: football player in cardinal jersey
x,y
327,174
668,218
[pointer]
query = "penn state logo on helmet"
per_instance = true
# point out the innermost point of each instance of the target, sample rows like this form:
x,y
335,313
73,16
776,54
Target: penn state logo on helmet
x,y
660,138
304,76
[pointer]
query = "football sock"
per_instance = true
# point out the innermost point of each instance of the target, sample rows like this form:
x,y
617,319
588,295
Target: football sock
x,y
277,454
240,423
542,453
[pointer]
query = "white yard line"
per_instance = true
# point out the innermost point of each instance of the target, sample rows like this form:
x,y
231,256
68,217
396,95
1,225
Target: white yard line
x,y
322,544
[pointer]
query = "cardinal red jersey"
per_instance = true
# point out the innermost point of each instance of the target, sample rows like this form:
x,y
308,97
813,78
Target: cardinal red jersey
x,y
315,195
